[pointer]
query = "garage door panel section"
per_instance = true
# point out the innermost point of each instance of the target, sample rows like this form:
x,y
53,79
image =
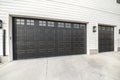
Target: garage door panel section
x,y
106,38
33,38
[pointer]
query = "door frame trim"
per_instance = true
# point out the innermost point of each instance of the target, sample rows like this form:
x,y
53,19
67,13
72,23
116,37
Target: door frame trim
x,y
10,16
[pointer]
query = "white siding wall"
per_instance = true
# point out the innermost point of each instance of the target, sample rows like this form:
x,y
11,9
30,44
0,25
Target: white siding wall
x,y
92,11
102,5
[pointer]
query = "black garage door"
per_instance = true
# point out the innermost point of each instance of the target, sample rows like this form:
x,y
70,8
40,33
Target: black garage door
x,y
106,38
34,38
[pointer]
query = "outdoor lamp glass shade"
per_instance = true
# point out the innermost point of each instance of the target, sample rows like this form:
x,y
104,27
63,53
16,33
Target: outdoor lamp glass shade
x,y
94,28
118,1
0,23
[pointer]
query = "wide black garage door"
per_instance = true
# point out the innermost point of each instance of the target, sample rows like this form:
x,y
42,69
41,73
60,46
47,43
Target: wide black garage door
x,y
34,38
106,38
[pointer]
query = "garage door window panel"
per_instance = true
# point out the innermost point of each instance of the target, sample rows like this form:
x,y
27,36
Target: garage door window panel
x,y
61,25
50,24
30,22
20,22
67,25
42,23
77,26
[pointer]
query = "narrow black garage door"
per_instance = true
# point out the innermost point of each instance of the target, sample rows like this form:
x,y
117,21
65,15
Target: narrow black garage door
x,y
34,38
106,38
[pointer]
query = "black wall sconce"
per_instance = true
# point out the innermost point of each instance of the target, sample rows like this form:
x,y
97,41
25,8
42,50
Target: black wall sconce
x,y
0,24
94,28
118,1
119,31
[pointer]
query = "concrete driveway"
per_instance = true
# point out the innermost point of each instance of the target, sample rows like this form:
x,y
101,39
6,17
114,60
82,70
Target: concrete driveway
x,y
104,66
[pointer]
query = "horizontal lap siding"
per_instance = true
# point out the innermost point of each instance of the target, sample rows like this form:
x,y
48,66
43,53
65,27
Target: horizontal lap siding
x,y
111,6
47,8
43,8
53,10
